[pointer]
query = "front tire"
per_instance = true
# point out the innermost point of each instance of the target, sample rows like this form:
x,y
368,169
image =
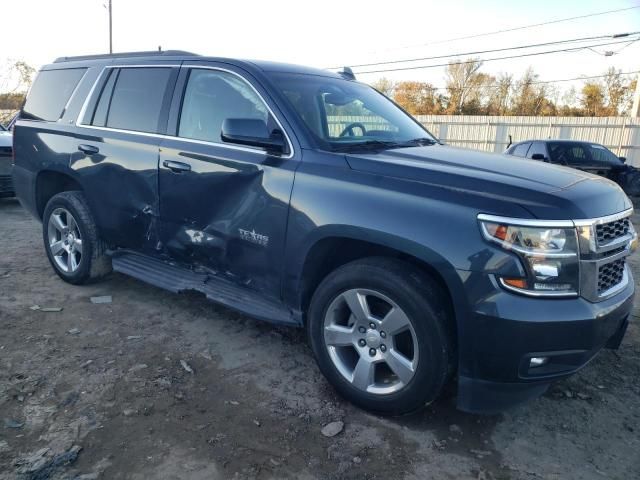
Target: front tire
x,y
71,240
378,330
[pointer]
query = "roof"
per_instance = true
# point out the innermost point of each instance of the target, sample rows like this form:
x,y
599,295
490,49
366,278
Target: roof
x,y
263,65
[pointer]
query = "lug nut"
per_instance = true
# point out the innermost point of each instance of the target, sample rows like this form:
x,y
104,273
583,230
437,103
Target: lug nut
x,y
383,348
362,329
372,325
383,335
362,342
372,352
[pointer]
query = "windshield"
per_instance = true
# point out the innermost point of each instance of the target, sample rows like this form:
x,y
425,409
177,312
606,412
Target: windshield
x,y
343,114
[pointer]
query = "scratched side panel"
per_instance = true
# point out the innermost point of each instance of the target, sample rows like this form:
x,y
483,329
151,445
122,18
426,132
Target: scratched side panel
x,y
229,213
121,185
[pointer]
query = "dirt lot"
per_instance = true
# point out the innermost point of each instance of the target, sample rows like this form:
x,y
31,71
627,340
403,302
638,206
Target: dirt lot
x,y
99,391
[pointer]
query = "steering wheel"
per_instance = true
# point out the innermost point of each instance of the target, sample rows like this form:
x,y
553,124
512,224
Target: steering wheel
x,y
348,130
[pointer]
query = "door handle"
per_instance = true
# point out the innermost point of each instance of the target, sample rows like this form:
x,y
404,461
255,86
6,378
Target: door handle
x,y
88,149
177,167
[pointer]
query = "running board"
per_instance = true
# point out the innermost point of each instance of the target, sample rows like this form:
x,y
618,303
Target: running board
x,y
178,279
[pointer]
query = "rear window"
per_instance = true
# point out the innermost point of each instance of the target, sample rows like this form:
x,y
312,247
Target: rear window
x,y
50,93
136,101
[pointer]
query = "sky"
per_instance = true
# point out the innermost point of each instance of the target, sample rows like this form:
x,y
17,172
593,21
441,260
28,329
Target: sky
x,y
324,33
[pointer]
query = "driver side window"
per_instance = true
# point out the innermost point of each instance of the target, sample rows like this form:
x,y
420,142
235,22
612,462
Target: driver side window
x,y
210,98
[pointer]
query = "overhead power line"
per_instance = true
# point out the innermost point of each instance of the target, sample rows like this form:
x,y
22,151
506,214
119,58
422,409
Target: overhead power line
x,y
522,55
479,52
540,82
514,29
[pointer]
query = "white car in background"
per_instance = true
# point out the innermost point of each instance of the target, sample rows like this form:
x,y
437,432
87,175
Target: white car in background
x,y
6,163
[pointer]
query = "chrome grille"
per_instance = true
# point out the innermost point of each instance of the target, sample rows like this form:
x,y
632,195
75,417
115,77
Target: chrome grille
x,y
606,232
610,275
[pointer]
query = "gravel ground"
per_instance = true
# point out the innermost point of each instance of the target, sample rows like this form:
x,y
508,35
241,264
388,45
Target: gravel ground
x,y
161,386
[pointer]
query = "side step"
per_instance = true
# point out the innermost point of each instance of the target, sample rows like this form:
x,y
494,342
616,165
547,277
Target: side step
x,y
179,279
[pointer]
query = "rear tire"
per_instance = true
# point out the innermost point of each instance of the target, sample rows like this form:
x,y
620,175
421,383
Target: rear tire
x,y
71,240
385,313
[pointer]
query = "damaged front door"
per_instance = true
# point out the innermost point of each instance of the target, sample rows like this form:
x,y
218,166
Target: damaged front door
x,y
224,207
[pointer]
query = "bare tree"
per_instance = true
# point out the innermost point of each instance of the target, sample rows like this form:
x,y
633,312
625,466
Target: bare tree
x,y
384,86
463,83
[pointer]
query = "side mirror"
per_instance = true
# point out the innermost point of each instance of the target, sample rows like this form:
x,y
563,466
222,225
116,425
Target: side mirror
x,y
538,156
623,159
252,132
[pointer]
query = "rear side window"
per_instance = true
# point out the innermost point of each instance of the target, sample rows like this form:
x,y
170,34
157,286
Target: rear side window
x,y
50,94
520,150
132,99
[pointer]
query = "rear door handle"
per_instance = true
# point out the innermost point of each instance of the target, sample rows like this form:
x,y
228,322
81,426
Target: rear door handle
x,y
177,167
88,149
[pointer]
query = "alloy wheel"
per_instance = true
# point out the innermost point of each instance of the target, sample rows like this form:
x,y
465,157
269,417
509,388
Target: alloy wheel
x,y
65,240
371,341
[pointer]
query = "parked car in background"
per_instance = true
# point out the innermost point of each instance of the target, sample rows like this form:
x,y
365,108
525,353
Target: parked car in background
x,y
409,263
6,161
586,156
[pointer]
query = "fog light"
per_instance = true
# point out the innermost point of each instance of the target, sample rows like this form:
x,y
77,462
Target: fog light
x,y
538,361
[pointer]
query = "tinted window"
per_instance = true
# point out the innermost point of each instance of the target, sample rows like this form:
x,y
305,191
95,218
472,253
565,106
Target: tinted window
x,y
520,150
100,115
50,93
537,147
568,153
213,96
603,156
137,99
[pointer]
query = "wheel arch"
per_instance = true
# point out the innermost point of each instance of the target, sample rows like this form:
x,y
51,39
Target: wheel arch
x,y
333,250
50,183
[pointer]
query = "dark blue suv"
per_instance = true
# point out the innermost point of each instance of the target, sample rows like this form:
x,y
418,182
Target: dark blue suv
x,y
306,198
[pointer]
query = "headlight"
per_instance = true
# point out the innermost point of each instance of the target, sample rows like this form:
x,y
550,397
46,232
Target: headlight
x,y
549,255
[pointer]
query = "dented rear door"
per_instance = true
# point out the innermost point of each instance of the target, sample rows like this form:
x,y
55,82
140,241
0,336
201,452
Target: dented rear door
x,y
223,207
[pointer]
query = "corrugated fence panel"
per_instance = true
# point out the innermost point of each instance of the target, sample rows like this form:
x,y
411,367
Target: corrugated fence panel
x,y
491,134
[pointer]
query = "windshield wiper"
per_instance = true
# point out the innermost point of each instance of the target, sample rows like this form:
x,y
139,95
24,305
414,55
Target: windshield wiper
x,y
423,141
366,145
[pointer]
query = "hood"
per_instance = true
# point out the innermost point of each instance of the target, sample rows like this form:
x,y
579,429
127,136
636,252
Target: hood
x,y
546,191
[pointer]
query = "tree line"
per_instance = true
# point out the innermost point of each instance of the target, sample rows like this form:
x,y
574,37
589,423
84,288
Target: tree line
x,y
470,91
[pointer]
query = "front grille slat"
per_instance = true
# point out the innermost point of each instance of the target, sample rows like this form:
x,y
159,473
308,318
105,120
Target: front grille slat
x,y
610,275
607,232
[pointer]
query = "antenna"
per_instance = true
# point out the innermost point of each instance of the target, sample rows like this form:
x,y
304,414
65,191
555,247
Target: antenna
x,y
347,73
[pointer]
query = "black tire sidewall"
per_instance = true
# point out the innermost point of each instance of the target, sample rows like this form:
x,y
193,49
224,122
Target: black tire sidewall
x,y
70,201
411,292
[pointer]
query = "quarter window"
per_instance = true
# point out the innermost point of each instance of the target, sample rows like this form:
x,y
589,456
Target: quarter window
x,y
50,93
211,97
136,101
520,150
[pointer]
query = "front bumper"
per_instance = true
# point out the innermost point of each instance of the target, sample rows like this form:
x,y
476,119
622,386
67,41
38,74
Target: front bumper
x,y
506,330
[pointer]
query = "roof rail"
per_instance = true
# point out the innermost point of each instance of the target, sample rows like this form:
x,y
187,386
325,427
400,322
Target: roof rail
x,y
152,53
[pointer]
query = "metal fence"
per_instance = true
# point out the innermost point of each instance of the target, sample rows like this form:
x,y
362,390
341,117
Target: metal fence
x,y
620,134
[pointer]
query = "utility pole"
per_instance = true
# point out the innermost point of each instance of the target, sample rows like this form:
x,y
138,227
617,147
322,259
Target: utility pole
x,y
635,110
110,28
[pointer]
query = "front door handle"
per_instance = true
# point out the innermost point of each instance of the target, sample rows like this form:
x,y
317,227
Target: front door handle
x,y
177,167
88,149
